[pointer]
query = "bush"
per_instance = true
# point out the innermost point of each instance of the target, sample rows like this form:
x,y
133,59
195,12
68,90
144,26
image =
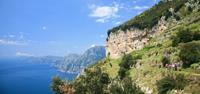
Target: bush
x,y
184,36
56,84
165,84
165,61
171,82
125,86
126,63
130,87
93,82
195,66
122,73
190,53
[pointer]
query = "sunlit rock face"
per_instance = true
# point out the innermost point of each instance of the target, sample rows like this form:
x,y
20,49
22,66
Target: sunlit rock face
x,y
123,42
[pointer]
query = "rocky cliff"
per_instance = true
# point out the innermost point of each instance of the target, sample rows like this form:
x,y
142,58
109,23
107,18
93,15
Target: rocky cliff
x,y
123,42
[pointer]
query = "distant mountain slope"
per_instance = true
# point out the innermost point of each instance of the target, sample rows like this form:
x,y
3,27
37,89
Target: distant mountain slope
x,y
74,63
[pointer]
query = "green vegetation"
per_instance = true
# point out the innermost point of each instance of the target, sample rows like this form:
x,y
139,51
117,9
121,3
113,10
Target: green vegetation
x,y
190,53
165,61
125,65
56,83
168,64
94,81
185,35
150,17
171,82
125,86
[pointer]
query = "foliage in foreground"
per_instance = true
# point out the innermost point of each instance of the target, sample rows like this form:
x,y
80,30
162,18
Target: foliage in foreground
x,y
55,85
171,82
127,62
94,81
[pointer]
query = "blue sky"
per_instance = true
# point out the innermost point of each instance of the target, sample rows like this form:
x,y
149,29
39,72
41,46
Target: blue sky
x,y
60,27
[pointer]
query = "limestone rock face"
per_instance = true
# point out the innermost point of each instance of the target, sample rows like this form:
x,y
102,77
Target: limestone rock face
x,y
123,42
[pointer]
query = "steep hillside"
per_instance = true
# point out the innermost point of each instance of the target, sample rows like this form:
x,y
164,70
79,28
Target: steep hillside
x,y
157,52
169,53
135,33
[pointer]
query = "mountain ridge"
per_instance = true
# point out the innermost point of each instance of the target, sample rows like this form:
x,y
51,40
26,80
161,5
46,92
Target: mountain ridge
x,y
75,63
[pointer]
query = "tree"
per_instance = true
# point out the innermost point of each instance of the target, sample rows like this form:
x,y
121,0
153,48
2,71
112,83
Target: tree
x,y
93,82
56,85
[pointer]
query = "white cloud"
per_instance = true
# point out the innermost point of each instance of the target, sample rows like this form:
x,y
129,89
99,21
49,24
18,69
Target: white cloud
x,y
140,7
93,45
104,13
23,54
44,27
10,42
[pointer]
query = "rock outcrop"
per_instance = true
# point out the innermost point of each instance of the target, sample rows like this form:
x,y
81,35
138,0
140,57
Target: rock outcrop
x,y
123,42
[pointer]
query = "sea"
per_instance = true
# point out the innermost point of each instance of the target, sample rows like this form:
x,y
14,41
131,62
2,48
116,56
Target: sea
x,y
21,77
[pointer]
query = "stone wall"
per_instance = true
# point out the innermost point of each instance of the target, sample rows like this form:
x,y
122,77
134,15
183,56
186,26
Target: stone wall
x,y
123,42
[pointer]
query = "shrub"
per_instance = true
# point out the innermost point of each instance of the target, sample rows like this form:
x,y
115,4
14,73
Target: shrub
x,y
93,82
125,86
171,82
165,84
130,87
190,53
184,36
195,66
126,63
56,84
104,79
165,61
122,72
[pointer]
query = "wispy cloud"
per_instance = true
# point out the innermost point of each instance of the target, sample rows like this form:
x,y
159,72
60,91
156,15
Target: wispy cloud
x,y
102,36
117,23
11,36
104,13
44,28
23,54
140,7
11,42
93,45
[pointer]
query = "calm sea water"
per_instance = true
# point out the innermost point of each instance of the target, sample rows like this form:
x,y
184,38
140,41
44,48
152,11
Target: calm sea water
x,y
18,77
